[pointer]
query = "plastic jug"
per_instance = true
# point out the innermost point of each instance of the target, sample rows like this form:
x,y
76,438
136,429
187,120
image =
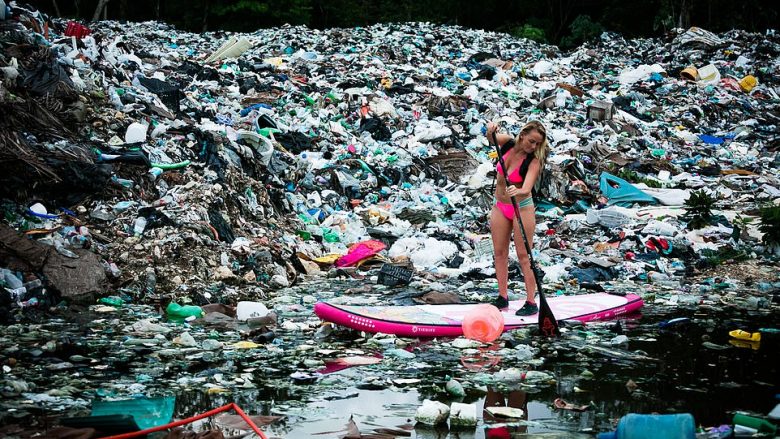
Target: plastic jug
x,y
484,323
639,426
179,313
249,310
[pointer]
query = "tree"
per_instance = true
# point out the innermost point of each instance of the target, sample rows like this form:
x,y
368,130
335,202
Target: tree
x,y
100,8
582,29
56,8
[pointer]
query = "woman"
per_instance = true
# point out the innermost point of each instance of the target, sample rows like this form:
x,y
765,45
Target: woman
x,y
524,162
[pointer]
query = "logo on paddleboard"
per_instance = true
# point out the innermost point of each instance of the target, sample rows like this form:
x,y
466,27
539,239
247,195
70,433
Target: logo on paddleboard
x,y
417,329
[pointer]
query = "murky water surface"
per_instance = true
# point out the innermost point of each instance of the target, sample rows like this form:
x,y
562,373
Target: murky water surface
x,y
687,367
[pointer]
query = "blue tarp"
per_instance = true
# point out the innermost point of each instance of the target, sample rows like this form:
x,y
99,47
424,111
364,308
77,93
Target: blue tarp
x,y
622,193
712,140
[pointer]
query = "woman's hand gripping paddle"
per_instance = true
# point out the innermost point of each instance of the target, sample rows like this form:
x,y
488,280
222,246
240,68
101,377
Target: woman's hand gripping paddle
x,y
547,323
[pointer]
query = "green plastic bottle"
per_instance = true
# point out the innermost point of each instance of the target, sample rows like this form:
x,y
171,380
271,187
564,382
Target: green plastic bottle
x,y
761,425
179,313
266,132
112,301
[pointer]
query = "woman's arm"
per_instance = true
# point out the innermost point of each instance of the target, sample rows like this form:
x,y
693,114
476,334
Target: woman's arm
x,y
528,182
501,137
530,178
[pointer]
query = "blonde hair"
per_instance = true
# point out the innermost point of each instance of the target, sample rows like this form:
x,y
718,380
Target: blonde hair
x,y
543,150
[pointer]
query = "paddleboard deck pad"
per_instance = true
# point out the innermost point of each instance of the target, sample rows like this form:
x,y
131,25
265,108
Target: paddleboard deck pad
x,y
446,320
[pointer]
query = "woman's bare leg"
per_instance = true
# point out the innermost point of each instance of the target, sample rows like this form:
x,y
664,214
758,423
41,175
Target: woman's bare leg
x,y
528,215
500,231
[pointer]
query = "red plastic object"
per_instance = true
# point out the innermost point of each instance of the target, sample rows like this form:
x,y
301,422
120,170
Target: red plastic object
x,y
224,408
485,323
77,30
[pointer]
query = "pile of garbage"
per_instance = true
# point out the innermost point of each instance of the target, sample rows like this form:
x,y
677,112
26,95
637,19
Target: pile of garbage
x,y
219,166
161,168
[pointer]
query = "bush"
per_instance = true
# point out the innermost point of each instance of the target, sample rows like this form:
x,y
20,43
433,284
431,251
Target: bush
x,y
582,29
530,32
698,210
770,225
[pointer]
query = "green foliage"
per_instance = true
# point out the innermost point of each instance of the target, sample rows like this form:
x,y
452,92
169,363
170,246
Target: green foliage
x,y
249,15
698,210
530,32
582,29
741,224
565,23
664,19
724,254
634,177
770,225
241,7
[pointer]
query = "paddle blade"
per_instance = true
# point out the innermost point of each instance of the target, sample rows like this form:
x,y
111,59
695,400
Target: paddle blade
x,y
548,325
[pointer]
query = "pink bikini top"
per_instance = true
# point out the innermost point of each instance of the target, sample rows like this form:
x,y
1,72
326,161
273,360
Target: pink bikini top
x,y
516,176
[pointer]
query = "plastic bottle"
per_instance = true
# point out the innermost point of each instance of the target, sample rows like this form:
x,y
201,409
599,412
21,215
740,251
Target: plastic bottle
x,y
639,426
139,226
123,182
59,246
179,313
751,422
10,279
154,173
151,283
484,323
122,206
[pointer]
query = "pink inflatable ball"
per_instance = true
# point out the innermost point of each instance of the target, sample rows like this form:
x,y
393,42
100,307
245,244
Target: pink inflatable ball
x,y
485,323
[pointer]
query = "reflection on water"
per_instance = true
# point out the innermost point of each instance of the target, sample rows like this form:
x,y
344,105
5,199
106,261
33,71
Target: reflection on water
x,y
691,368
380,409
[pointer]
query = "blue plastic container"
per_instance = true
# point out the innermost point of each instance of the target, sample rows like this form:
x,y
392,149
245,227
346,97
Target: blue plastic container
x,y
638,426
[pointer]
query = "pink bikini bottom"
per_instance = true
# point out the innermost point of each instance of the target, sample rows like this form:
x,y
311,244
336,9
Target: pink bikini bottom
x,y
509,211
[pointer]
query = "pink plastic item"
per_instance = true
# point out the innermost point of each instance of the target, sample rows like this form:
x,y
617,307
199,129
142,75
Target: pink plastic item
x,y
484,323
358,252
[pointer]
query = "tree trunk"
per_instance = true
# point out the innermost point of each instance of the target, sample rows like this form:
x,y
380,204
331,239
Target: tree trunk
x,y
205,24
680,23
157,10
56,8
77,4
100,7
123,9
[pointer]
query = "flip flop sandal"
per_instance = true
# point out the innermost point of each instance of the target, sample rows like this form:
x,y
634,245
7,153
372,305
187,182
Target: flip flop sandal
x,y
744,335
563,405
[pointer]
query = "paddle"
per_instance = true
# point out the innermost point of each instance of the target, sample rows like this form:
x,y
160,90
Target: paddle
x,y
547,323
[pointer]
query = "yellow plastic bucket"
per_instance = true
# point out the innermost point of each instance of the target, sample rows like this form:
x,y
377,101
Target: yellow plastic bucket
x,y
748,83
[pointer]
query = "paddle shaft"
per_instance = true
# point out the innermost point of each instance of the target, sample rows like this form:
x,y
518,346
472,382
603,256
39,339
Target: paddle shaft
x,y
547,323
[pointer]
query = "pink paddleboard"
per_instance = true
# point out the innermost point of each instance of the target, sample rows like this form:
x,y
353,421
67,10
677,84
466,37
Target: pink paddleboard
x,y
445,320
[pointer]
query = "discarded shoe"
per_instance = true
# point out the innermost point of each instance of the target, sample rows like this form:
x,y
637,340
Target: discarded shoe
x,y
744,335
527,309
500,302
